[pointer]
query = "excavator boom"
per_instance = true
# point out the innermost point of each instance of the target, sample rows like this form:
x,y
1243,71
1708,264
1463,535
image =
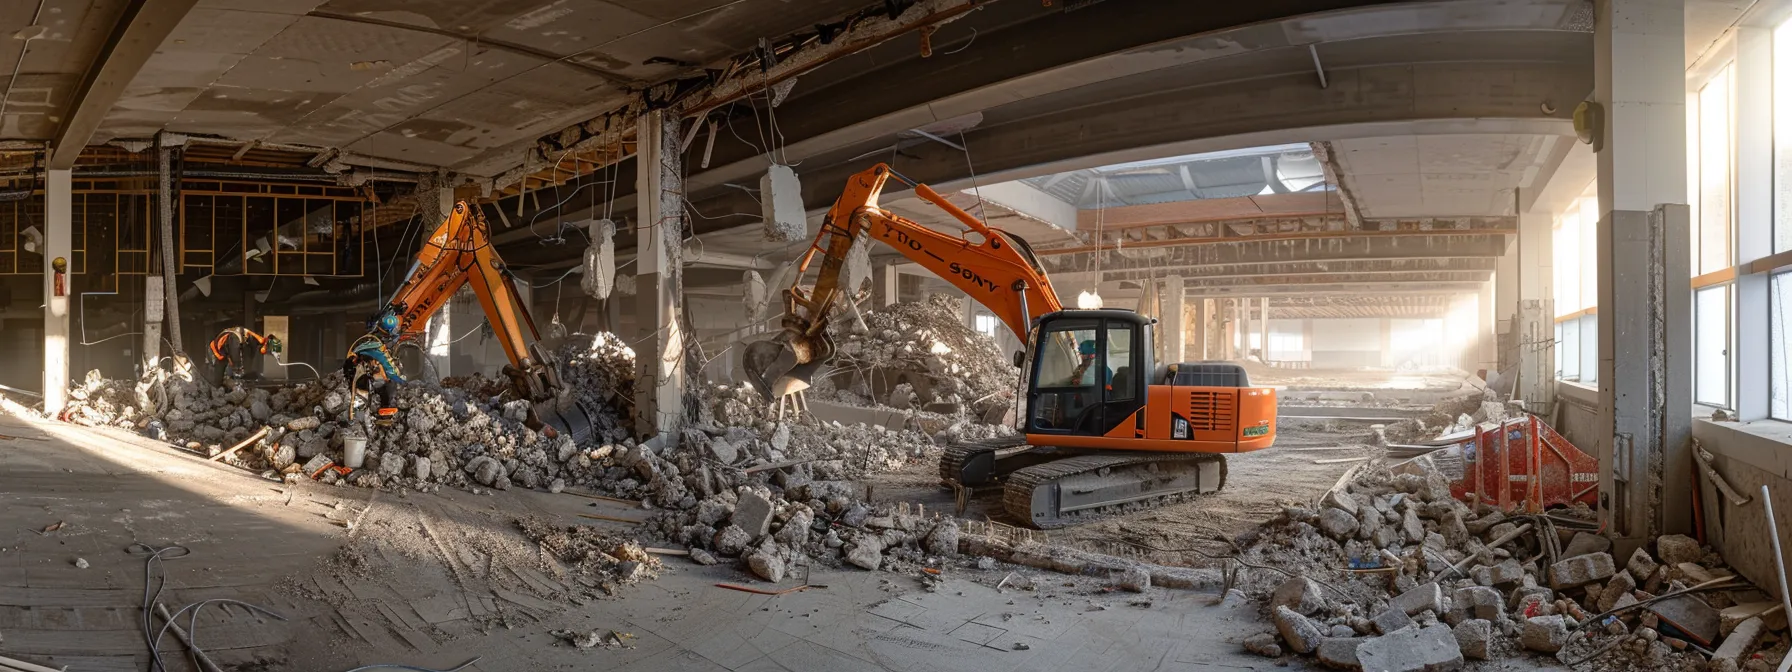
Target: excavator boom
x,y
458,253
995,269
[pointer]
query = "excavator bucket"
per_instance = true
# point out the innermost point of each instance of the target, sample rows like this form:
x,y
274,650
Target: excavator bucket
x,y
565,416
785,364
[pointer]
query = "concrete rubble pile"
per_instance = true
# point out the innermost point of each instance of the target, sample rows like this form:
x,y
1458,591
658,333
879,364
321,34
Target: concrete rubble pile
x,y
459,435
1390,572
920,357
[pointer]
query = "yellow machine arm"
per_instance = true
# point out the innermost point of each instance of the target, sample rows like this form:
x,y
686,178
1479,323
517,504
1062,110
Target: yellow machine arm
x,y
996,269
459,252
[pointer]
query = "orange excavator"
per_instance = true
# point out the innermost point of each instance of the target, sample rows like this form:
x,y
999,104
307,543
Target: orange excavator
x,y
459,252
1105,428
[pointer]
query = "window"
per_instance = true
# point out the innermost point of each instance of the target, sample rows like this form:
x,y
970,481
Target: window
x,y
1120,364
1577,288
1779,325
986,324
1711,346
1782,138
1713,200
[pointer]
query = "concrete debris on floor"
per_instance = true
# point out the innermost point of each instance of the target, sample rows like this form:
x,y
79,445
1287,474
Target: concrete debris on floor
x,y
1389,572
922,357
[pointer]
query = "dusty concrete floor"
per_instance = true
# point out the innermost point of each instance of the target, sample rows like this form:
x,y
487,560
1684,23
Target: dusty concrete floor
x,y
435,579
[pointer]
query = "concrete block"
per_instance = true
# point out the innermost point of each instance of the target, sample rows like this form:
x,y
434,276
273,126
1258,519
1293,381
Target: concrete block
x,y
1263,644
1339,499
1431,649
1640,565
1390,620
1674,549
1733,616
1586,542
781,196
754,514
1339,653
1740,641
1480,602
1426,597
1503,574
1620,585
1473,636
1301,634
1300,594
1337,523
1580,571
1546,634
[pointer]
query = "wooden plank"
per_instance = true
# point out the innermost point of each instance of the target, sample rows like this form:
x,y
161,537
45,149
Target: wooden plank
x,y
526,601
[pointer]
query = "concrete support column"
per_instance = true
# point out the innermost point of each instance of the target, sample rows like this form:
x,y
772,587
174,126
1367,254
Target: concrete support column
x,y
1172,329
1234,317
1535,336
153,305
1645,373
659,384
170,265
58,247
1388,356
1486,338
889,286
1263,329
1201,329
1505,309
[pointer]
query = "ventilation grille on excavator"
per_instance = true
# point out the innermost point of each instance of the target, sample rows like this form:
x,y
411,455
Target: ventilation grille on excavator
x,y
1211,411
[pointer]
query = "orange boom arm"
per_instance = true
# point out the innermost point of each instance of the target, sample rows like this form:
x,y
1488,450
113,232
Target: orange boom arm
x,y
998,271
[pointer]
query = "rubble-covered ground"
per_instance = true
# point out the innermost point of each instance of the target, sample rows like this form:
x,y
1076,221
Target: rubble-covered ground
x,y
1391,573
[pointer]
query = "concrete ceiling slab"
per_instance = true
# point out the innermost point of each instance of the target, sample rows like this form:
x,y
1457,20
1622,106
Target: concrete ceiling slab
x,y
1440,175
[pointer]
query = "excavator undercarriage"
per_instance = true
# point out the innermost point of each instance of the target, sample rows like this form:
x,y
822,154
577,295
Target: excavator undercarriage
x,y
1049,487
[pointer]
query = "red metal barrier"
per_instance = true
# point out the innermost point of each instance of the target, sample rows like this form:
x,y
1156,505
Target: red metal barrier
x,y
1522,463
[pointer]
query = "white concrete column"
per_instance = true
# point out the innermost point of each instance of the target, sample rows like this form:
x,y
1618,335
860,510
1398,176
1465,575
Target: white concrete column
x,y
58,246
1505,308
1172,326
1644,351
1535,321
1388,356
1263,328
659,261
1486,338
889,285
1202,330
153,309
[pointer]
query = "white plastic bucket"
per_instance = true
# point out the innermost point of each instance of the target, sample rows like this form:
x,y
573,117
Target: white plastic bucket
x,y
354,451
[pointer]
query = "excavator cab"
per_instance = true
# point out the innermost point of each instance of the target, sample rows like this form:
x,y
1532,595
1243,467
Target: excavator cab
x,y
1082,376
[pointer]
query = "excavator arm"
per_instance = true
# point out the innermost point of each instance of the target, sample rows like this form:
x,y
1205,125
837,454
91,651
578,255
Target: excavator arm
x,y
992,267
459,252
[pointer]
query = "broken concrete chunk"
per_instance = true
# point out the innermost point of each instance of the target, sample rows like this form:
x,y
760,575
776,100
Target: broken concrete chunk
x,y
731,540
1429,649
1134,579
1584,543
943,540
1504,574
867,553
1473,636
1582,570
1620,585
1301,634
767,566
1674,549
1300,594
1740,641
1263,644
1339,653
702,557
1641,566
753,514
1480,602
1338,498
1544,633
1390,620
1337,524
1734,615
1426,597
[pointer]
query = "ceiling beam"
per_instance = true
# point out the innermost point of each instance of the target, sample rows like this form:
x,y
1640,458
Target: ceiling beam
x,y
140,30
1343,288
1305,268
487,41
